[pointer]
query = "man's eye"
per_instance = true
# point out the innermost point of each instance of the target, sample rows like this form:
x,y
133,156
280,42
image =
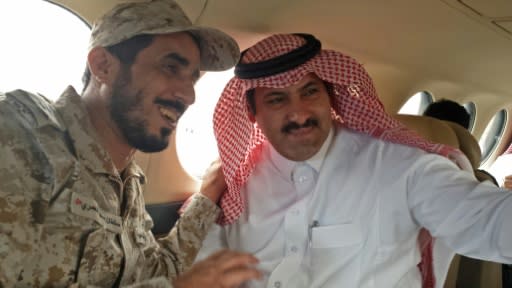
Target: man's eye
x,y
171,68
311,91
275,100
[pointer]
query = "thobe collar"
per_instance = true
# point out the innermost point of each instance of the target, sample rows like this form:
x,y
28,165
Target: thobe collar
x,y
286,166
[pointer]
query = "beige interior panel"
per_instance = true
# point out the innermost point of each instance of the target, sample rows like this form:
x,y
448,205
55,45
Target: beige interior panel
x,y
505,25
490,8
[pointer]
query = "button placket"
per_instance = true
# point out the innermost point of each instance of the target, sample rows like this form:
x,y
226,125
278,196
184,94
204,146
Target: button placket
x,y
295,227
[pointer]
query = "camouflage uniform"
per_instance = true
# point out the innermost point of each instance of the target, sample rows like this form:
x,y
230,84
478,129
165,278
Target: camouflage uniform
x,y
67,216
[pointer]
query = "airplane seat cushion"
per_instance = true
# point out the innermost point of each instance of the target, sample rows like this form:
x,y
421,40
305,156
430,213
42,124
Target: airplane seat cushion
x,y
467,144
432,129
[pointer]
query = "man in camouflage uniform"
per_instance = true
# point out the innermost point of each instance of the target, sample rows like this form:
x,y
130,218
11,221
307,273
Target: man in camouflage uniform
x,y
71,204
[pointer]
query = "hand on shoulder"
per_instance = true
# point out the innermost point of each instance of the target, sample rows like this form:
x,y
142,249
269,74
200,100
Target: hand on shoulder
x,y
214,184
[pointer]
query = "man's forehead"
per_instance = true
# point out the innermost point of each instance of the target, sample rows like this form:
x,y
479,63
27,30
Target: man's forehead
x,y
310,78
180,42
180,47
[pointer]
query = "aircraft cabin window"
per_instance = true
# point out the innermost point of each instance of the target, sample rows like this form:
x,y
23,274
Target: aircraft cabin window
x,y
417,103
492,134
195,143
471,108
44,47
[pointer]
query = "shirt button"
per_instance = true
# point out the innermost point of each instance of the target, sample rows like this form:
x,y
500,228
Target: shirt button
x,y
277,284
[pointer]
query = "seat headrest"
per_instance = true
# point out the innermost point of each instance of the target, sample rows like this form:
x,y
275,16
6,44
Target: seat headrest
x,y
432,129
444,132
467,144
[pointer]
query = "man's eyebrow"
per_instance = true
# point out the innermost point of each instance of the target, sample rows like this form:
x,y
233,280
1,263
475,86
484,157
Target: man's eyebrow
x,y
309,84
178,58
274,93
183,62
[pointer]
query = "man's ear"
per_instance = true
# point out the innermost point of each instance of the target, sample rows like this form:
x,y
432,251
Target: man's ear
x,y
102,64
250,113
251,117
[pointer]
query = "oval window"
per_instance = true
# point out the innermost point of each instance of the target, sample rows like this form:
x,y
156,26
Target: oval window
x,y
471,108
417,103
492,134
44,47
195,143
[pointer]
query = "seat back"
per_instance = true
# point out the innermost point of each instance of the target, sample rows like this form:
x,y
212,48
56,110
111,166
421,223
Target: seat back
x,y
164,216
432,129
444,132
467,144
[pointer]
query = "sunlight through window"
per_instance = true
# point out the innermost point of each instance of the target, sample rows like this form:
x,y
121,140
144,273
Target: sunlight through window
x,y
195,142
492,134
44,47
416,104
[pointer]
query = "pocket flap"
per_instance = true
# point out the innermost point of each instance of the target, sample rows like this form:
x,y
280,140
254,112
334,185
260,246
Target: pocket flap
x,y
335,235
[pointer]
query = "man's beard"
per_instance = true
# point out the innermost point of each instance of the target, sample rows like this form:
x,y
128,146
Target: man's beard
x,y
126,109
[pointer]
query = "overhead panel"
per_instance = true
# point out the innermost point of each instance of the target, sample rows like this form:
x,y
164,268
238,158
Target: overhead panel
x,y
505,25
490,8
495,13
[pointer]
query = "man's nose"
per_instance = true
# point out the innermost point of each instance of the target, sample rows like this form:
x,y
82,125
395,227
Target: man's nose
x,y
298,113
185,92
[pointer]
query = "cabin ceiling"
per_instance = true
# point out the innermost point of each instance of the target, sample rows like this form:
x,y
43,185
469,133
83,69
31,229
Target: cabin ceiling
x,y
461,44
455,49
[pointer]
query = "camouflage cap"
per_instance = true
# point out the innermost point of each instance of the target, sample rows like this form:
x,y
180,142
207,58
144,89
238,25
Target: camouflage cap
x,y
218,50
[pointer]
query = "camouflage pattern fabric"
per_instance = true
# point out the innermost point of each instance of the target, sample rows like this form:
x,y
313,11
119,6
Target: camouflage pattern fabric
x,y
67,217
127,19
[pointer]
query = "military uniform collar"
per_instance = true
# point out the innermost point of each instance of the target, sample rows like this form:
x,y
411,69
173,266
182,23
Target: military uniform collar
x,y
85,140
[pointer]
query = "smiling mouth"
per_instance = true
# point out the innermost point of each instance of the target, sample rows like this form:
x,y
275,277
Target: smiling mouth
x,y
170,115
301,131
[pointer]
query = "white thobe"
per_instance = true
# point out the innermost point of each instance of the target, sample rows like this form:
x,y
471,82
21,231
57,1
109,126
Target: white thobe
x,y
350,216
501,168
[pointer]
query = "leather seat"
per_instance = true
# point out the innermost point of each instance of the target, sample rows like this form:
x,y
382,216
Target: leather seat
x,y
432,129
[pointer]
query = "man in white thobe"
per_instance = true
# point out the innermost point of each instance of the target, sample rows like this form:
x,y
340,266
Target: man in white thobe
x,y
327,190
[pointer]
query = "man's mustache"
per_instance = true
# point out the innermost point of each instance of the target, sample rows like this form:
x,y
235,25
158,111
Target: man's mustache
x,y
176,105
310,122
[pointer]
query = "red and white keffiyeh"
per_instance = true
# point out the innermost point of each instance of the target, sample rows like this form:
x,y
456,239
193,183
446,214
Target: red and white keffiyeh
x,y
355,105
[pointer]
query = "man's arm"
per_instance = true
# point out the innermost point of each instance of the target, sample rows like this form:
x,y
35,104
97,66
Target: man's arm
x,y
200,214
19,190
222,269
179,248
470,217
175,252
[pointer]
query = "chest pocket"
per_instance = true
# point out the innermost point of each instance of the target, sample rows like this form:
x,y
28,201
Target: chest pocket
x,y
336,249
100,255
100,260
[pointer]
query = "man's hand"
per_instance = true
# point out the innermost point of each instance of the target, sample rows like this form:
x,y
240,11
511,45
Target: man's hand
x,y
224,269
213,185
507,183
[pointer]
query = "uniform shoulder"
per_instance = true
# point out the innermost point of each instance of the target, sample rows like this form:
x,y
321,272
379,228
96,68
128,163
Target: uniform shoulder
x,y
32,108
